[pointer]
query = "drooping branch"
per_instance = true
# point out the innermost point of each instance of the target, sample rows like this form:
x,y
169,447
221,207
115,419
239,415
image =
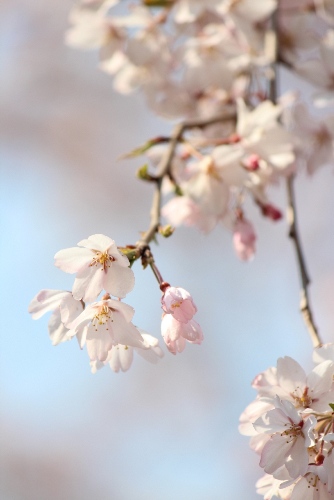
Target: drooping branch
x,y
271,49
305,307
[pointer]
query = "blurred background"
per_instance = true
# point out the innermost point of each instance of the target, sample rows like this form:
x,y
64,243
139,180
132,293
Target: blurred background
x,y
156,432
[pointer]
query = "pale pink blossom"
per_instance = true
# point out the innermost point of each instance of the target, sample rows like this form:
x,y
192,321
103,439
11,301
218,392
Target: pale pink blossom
x,y
184,210
99,266
310,487
251,10
64,310
321,71
296,35
314,138
270,488
188,11
290,382
290,438
103,325
244,239
324,353
178,302
175,333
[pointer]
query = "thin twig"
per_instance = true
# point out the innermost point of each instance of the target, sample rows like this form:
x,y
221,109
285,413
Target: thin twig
x,y
305,307
165,166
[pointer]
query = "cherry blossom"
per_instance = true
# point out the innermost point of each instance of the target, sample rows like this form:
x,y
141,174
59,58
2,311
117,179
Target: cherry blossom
x,y
64,310
314,139
290,438
244,239
103,325
99,265
270,488
292,419
178,302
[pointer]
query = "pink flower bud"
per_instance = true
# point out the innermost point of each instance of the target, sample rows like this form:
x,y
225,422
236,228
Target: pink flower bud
x,y
244,239
179,303
252,162
272,212
176,333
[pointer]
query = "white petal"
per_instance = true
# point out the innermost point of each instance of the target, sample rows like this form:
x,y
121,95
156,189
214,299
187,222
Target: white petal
x,y
57,331
88,284
98,343
125,356
125,333
71,260
118,281
46,300
124,309
98,242
290,374
320,379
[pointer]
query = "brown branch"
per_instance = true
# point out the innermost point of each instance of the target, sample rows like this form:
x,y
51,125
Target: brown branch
x,y
271,49
305,307
165,166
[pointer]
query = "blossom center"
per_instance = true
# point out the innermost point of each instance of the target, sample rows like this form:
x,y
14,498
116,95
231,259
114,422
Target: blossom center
x,y
176,304
294,431
102,316
305,400
102,258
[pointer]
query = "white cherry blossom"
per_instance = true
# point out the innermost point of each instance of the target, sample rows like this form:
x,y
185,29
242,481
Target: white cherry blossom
x,y
290,438
99,266
103,325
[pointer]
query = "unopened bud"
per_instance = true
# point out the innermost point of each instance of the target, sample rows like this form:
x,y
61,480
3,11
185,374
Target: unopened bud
x,y
166,231
319,459
142,173
272,212
252,162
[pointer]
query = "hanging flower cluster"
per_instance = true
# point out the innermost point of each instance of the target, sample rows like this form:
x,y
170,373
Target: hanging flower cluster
x,y
105,326
210,62
291,424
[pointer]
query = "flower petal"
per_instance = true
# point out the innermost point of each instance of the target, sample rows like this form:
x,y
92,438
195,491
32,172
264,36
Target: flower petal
x,y
71,260
118,281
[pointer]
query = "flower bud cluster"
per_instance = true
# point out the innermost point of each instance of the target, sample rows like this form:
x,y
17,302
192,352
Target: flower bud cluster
x,y
291,424
105,325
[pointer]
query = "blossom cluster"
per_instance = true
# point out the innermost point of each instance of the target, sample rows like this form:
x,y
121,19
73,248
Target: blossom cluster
x,y
291,424
105,325
196,60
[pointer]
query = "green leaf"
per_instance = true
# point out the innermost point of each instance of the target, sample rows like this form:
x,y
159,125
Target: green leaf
x,y
331,405
130,253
